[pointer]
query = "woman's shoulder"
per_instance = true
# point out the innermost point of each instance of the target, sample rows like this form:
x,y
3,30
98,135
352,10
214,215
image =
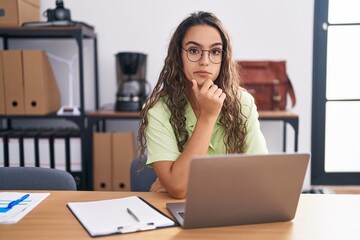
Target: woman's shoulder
x,y
160,108
247,102
246,99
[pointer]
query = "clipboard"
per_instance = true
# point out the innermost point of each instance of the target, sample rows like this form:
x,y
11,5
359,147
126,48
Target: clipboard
x,y
121,215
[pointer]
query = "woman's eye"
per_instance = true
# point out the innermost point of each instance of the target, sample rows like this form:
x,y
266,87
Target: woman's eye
x,y
194,50
216,51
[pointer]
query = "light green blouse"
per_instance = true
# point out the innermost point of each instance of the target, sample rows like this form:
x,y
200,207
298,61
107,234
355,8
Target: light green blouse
x,y
161,141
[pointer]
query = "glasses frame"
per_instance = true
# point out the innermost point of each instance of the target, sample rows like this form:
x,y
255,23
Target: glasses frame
x,y
202,53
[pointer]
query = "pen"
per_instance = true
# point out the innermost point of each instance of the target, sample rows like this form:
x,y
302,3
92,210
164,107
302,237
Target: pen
x,y
17,201
133,214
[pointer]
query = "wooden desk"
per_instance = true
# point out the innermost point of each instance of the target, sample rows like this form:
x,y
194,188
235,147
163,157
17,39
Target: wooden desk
x,y
287,117
319,216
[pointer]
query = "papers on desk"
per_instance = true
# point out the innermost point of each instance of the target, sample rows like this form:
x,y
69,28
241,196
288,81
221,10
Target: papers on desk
x,y
21,204
122,215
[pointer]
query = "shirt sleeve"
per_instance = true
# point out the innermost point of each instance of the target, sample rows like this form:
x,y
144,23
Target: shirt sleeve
x,y
160,137
255,142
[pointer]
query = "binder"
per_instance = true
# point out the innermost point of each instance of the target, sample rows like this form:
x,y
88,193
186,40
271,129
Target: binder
x,y
29,146
59,144
75,151
44,142
14,149
13,81
2,148
16,12
42,95
121,215
124,152
2,86
102,156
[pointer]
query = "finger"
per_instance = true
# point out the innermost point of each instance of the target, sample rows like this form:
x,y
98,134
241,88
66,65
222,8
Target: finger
x,y
214,89
222,97
217,92
195,87
207,84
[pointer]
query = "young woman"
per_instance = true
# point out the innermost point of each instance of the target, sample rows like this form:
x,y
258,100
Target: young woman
x,y
197,106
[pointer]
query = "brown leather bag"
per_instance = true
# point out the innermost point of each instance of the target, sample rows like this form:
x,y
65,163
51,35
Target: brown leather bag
x,y
268,82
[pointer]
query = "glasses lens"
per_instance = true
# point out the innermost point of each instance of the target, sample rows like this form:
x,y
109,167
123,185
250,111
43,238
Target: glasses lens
x,y
194,54
216,55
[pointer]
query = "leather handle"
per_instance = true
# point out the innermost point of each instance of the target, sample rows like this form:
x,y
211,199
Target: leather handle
x,y
276,98
291,92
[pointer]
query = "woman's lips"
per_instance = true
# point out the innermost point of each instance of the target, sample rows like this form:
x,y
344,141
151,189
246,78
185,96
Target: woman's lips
x,y
202,73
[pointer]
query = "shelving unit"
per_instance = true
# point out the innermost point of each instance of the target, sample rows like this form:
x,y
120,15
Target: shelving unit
x,y
78,33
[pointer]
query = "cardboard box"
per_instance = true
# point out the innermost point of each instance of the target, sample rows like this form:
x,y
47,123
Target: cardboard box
x,y
13,79
2,87
42,95
124,152
102,156
16,12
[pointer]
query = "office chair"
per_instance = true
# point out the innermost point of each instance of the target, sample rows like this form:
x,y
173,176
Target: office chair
x,y
35,178
141,179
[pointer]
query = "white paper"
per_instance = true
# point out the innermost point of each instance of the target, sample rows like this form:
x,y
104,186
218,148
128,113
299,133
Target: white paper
x,y
107,216
18,211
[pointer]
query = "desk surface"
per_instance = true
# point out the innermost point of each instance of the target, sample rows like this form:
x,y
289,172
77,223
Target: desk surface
x,y
319,216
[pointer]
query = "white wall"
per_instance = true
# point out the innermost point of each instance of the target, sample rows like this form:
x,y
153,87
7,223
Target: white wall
x,y
260,29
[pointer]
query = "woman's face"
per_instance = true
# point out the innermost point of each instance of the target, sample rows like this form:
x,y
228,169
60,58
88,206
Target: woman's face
x,y
199,38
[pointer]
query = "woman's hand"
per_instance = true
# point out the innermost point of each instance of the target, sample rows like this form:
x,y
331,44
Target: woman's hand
x,y
157,187
209,98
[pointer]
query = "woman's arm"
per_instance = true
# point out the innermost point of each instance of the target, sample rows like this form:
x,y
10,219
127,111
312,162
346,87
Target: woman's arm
x,y
173,175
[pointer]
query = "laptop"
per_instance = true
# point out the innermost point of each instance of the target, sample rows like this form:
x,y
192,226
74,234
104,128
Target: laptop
x,y
241,189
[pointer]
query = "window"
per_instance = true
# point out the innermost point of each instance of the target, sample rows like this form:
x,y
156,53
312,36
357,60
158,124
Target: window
x,y
336,93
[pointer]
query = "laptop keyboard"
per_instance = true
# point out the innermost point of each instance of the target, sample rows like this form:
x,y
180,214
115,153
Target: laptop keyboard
x,y
182,214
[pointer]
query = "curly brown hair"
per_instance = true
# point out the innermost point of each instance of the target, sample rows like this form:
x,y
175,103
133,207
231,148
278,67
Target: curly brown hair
x,y
228,80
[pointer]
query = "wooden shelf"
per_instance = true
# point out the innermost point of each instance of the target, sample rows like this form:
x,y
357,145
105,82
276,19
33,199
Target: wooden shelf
x,y
111,113
277,115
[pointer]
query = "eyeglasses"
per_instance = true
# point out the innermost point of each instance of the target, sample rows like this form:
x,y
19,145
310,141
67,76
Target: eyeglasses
x,y
194,54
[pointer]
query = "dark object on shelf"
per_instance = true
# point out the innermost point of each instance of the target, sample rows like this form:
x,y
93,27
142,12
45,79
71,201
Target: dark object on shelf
x,y
132,86
58,17
59,13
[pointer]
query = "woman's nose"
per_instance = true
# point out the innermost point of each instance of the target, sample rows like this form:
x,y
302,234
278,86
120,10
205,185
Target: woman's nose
x,y
204,60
